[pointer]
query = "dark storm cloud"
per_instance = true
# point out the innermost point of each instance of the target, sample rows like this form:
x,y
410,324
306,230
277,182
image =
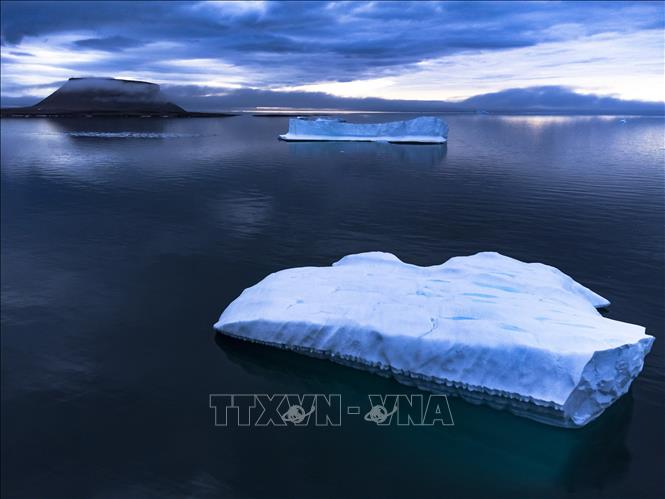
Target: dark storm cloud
x,y
110,44
21,19
316,41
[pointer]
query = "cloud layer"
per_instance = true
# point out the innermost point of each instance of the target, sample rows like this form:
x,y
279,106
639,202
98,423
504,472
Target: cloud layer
x,y
438,51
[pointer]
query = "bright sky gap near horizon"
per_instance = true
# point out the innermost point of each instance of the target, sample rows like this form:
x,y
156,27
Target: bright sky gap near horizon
x,y
433,51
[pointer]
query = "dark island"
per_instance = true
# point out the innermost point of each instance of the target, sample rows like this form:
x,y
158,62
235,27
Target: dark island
x,y
105,97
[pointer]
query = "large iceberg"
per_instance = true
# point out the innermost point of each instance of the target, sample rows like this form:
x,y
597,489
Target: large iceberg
x,y
424,130
491,329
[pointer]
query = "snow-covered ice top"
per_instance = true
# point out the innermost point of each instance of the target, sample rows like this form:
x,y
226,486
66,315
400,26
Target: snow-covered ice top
x,y
523,336
425,129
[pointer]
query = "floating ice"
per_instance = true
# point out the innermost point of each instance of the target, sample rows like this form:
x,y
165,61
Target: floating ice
x,y
425,130
488,328
130,135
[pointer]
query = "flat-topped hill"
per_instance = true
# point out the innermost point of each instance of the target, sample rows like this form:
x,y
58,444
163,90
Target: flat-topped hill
x,y
104,97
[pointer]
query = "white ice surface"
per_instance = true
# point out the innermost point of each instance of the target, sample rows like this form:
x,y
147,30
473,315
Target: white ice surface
x,y
425,129
489,328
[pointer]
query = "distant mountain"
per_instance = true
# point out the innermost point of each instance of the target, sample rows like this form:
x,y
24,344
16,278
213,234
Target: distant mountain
x,y
104,97
547,99
530,100
107,95
115,97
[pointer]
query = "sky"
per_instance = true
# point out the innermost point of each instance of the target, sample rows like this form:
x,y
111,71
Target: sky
x,y
313,54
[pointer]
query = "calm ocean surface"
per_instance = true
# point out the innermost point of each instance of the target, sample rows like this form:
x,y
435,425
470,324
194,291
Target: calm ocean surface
x,y
123,240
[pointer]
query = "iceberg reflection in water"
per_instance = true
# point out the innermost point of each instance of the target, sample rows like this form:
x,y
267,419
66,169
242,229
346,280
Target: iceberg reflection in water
x,y
425,154
482,438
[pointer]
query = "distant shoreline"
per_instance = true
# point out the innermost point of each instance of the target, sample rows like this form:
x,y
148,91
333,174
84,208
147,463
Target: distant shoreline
x,y
19,112
29,112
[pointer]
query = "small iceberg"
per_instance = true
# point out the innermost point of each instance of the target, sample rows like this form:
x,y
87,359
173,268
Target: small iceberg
x,y
519,336
423,130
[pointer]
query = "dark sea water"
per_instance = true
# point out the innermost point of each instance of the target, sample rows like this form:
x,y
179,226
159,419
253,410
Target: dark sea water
x,y
123,241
